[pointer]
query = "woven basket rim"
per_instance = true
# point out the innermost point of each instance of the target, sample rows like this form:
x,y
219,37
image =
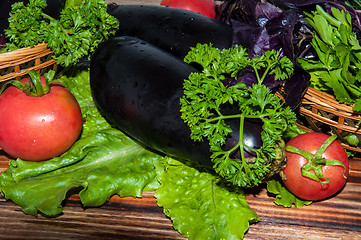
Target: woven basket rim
x,y
322,112
23,52
328,101
16,64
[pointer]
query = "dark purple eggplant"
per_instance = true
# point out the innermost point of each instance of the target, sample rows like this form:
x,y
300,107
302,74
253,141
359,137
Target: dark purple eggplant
x,y
138,87
172,29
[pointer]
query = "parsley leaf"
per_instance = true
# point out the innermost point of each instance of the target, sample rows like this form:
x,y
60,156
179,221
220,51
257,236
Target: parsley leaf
x,y
205,95
76,34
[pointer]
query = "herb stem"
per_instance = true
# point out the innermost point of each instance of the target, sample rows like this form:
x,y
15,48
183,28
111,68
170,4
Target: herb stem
x,y
264,74
47,17
260,116
256,72
223,117
240,140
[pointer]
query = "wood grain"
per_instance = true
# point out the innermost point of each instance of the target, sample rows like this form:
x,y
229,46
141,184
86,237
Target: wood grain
x,y
131,218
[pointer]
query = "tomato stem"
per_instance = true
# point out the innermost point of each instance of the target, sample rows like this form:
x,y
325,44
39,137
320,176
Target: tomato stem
x,y
34,86
316,161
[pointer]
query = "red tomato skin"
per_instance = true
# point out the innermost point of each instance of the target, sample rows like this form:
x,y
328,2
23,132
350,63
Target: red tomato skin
x,y
304,187
205,7
38,128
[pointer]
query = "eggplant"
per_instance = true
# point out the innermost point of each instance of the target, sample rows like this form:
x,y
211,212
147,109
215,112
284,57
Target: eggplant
x,y
174,30
137,87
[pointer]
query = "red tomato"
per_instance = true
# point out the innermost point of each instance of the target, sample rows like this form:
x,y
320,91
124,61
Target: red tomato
x,y
307,188
205,7
38,128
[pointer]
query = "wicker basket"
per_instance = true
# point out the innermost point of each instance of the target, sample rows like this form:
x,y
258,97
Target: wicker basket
x,y
321,112
13,65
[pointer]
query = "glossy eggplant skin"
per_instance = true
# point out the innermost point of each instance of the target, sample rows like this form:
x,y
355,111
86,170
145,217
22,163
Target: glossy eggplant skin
x,y
171,29
137,88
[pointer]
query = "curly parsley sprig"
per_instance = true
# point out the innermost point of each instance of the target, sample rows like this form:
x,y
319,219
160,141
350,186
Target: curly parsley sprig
x,y
205,95
76,34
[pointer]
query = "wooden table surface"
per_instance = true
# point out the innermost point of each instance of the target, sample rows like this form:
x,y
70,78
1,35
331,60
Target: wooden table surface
x,y
130,218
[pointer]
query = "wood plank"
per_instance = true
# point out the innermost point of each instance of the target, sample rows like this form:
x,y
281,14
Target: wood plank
x,y
131,218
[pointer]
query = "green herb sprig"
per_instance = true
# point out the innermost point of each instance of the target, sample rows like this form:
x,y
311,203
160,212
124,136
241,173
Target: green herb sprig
x,y
205,95
74,35
337,69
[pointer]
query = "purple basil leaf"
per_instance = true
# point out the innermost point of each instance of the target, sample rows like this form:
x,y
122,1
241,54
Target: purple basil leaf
x,y
240,10
296,4
296,86
261,44
282,31
245,34
266,10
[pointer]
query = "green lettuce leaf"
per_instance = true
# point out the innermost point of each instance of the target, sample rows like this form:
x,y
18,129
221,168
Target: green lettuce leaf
x,y
201,205
78,83
284,197
103,162
102,165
